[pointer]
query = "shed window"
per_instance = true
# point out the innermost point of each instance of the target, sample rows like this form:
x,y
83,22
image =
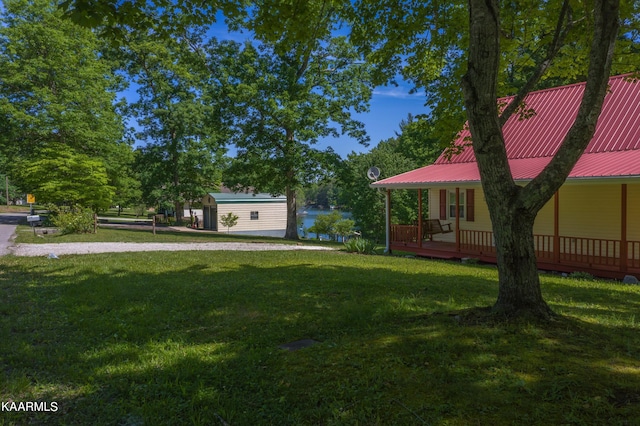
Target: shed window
x,y
254,215
452,204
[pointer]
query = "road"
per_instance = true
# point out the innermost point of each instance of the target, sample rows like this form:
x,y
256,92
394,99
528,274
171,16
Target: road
x,y
8,223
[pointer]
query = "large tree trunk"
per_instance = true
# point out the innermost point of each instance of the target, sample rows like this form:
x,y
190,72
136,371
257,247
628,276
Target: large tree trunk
x,y
513,208
519,291
291,232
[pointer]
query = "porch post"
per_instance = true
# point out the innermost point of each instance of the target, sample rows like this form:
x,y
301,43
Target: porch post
x,y
457,219
420,218
556,227
387,219
623,229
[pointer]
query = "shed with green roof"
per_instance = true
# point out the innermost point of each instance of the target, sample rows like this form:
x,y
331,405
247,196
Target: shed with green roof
x,y
258,214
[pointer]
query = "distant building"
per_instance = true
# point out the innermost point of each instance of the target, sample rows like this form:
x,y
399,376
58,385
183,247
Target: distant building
x,y
258,214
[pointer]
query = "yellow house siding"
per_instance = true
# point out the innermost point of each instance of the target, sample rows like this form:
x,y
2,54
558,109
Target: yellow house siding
x,y
482,221
586,210
271,216
544,224
591,211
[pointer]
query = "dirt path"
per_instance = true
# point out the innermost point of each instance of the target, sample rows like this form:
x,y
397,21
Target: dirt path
x,y
90,248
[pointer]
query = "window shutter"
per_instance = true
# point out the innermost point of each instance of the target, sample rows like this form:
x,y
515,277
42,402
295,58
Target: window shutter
x,y
470,205
443,204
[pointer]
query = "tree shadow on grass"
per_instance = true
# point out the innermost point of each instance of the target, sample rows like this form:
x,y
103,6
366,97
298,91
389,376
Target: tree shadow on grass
x,y
121,340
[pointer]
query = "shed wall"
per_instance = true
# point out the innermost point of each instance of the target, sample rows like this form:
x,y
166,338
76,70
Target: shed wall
x,y
271,216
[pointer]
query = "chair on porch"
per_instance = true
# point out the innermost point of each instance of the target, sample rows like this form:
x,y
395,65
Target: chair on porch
x,y
434,226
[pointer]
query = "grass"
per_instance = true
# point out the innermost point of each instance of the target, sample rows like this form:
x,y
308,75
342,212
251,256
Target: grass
x,y
192,338
13,209
25,235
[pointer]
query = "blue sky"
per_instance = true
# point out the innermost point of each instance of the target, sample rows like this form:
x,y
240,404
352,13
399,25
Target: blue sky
x,y
389,106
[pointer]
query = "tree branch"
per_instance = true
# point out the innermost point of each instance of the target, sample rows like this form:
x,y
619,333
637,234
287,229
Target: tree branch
x,y
538,191
559,35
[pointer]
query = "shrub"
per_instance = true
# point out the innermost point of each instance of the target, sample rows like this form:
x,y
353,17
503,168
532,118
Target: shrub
x,y
140,210
229,220
72,219
360,245
581,275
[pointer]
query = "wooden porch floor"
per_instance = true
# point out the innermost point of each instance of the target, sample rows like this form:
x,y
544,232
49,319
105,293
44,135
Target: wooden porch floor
x,y
594,265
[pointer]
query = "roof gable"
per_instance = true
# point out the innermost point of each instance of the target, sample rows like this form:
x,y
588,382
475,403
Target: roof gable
x,y
554,111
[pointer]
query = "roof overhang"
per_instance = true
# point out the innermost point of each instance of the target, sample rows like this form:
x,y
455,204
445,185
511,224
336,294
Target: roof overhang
x,y
605,167
243,198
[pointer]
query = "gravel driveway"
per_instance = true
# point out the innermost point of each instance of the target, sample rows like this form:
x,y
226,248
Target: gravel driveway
x,y
89,248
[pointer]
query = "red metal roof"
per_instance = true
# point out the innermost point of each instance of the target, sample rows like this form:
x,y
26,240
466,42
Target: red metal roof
x,y
623,164
531,142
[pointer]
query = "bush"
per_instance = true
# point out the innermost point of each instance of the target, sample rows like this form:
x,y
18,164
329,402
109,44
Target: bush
x,y
581,275
72,220
360,245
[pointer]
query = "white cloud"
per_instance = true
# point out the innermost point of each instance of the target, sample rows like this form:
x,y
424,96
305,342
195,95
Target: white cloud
x,y
397,92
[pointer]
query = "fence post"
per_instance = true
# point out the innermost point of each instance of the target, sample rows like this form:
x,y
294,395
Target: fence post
x,y
95,223
154,224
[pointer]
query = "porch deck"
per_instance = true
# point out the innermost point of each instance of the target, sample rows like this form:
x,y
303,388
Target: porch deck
x,y
604,258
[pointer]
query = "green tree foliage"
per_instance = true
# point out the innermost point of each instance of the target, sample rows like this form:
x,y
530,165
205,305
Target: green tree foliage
x,y
124,177
285,95
14,193
60,175
57,91
229,220
72,219
344,228
323,194
416,142
325,224
183,158
117,19
412,147
367,205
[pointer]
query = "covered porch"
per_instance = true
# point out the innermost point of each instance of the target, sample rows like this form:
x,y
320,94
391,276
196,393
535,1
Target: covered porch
x,y
559,250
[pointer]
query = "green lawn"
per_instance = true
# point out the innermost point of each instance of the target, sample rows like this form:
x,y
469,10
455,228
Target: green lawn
x,y
13,209
192,338
163,235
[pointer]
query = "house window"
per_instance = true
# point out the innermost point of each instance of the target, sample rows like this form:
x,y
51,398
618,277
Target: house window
x,y
452,204
254,215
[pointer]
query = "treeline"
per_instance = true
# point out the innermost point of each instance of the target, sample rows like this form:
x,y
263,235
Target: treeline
x,y
413,146
70,140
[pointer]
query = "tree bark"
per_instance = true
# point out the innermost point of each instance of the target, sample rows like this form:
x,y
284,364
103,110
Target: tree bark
x,y
519,293
291,232
513,208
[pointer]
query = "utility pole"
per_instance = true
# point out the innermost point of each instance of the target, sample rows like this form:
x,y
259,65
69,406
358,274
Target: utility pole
x,y
6,177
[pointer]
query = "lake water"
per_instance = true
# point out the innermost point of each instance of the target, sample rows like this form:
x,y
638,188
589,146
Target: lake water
x,y
309,218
